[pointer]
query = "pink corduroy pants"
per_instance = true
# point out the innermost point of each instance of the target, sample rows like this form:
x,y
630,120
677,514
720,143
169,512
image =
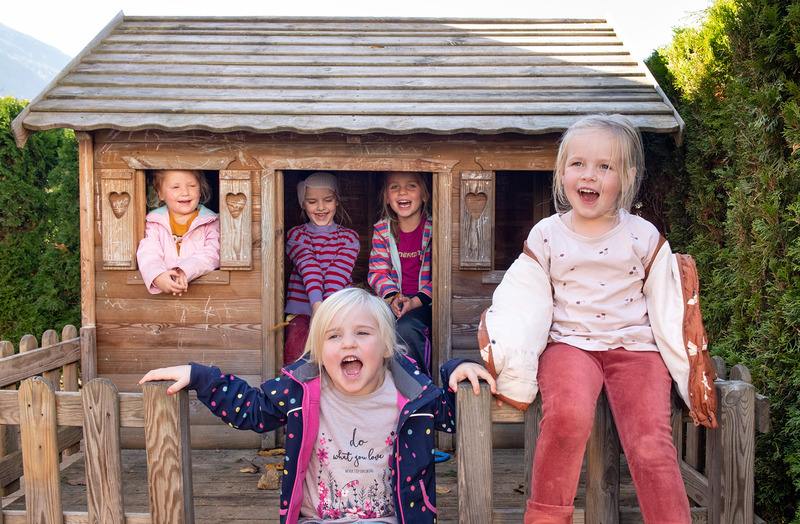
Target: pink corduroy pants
x,y
637,385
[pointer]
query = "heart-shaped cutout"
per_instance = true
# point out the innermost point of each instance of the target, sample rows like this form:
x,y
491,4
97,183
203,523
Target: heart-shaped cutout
x,y
475,203
119,202
235,203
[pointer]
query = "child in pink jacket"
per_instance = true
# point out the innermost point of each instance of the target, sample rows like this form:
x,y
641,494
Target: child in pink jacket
x,y
181,239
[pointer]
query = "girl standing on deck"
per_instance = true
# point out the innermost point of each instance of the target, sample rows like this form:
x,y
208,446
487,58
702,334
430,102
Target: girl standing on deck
x,y
359,416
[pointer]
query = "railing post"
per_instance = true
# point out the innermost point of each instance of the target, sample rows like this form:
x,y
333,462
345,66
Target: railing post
x,y
70,374
533,417
38,427
169,459
731,455
88,353
474,454
602,467
101,421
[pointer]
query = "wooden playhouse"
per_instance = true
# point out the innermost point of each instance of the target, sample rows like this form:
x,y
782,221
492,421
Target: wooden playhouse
x,y
258,103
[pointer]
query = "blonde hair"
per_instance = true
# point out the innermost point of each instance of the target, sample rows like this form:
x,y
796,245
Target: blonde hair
x,y
629,156
386,209
347,301
158,176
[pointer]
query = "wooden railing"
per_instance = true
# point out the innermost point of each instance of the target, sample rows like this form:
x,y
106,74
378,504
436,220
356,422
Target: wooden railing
x,y
56,361
99,410
717,465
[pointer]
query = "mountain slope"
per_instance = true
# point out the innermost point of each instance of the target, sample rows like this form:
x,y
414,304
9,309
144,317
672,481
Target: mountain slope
x,y
27,65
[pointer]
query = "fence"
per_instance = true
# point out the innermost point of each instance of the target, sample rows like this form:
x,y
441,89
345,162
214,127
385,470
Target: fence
x,y
717,465
52,421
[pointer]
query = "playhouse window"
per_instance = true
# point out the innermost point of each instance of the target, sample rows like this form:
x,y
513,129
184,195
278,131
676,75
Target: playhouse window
x,y
522,198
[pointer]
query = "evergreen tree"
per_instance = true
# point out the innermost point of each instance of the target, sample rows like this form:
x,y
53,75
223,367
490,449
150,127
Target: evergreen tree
x,y
736,76
39,240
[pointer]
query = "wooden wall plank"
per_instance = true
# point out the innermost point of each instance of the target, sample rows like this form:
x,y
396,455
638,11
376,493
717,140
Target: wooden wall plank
x,y
186,338
200,310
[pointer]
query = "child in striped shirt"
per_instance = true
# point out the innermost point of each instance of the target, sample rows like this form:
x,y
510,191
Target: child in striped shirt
x,y
323,254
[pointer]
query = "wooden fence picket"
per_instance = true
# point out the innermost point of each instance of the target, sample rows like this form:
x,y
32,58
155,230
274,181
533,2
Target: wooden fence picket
x,y
101,422
38,429
169,460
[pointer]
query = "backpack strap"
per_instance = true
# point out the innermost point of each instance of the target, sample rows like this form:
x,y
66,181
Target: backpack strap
x,y
661,242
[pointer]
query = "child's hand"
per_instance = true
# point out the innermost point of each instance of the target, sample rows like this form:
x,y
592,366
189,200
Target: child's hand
x,y
180,374
315,306
172,281
472,372
398,303
181,279
405,304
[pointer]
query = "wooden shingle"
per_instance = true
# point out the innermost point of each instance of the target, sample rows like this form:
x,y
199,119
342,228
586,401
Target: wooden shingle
x,y
348,75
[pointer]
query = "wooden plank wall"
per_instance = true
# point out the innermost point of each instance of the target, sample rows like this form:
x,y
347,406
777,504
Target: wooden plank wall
x,y
221,322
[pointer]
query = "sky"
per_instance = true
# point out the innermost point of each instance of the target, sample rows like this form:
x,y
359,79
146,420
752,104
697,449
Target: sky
x,y
70,25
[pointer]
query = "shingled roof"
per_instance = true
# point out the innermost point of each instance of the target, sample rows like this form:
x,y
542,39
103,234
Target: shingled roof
x,y
349,75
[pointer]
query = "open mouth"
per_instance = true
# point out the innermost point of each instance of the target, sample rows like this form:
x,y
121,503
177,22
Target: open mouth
x,y
351,367
403,204
588,195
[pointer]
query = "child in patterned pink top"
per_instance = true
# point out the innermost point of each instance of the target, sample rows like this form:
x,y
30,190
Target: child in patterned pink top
x,y
359,416
587,265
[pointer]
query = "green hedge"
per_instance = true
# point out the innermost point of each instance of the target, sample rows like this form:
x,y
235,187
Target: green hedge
x,y
39,232
734,206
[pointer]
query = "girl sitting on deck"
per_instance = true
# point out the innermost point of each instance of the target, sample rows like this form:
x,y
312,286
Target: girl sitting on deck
x,y
577,313
359,416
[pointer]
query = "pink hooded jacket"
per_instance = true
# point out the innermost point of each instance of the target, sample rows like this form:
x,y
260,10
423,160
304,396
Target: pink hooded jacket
x,y
199,249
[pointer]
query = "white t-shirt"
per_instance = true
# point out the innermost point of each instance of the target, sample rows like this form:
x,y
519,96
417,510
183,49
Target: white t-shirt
x,y
597,282
349,478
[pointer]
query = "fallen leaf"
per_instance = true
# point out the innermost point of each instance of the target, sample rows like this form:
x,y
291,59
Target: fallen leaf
x,y
272,452
442,489
252,468
76,482
270,480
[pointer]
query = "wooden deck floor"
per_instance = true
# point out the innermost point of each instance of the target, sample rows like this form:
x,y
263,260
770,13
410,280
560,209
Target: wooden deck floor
x,y
222,493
